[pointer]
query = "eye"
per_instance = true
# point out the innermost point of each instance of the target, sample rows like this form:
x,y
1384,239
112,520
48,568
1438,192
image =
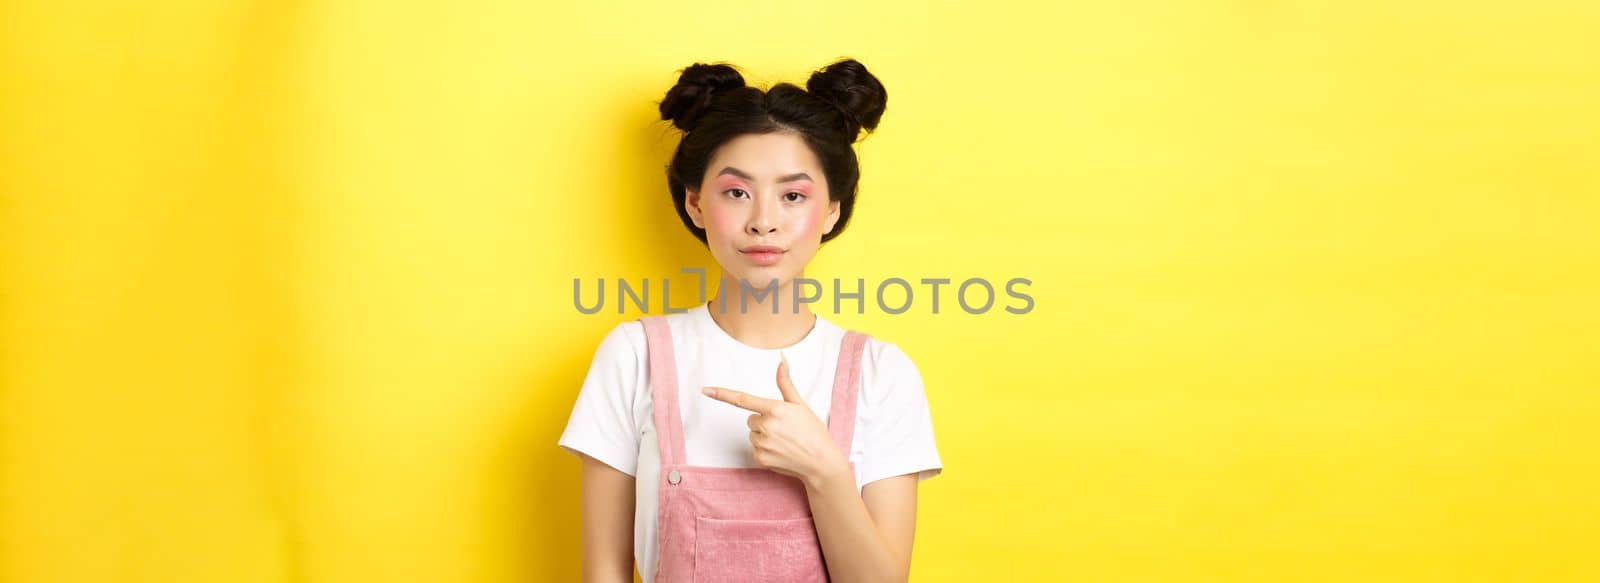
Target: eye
x,y
797,197
730,192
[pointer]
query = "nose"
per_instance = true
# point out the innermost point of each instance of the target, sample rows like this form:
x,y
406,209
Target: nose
x,y
761,220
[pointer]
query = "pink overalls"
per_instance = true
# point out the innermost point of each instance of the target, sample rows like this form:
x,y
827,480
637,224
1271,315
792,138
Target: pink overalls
x,y
737,524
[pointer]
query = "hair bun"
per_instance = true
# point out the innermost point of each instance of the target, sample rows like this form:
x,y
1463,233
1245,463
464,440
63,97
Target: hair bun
x,y
850,87
698,84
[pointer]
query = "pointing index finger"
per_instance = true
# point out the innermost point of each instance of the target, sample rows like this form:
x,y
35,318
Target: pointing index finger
x,y
740,399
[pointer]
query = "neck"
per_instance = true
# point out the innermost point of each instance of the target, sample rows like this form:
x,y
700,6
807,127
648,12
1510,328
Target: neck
x,y
751,319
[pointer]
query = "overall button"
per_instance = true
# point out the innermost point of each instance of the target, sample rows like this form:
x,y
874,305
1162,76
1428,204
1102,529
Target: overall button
x,y
674,477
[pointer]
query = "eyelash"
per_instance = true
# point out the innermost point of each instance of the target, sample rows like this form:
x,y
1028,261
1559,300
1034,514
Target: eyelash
x,y
802,196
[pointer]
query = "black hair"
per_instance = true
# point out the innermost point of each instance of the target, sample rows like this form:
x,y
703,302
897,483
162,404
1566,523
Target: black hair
x,y
712,105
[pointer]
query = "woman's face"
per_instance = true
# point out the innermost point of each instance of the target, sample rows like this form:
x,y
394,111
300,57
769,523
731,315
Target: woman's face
x,y
764,205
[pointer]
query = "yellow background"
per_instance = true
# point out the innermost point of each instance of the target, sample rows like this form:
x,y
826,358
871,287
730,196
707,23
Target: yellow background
x,y
285,292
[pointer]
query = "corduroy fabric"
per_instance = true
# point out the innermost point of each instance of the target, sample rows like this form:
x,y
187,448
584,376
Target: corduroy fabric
x,y
717,525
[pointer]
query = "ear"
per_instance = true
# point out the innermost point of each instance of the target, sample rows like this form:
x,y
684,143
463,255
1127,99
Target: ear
x,y
691,204
832,218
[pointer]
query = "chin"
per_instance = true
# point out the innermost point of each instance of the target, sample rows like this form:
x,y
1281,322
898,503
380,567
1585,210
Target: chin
x,y
760,276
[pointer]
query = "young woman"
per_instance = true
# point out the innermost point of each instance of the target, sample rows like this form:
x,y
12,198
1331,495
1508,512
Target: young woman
x,y
742,440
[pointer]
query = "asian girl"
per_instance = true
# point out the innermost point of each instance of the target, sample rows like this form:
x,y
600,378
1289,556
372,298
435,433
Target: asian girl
x,y
741,440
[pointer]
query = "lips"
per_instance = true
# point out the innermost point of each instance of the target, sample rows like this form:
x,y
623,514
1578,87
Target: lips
x,y
762,254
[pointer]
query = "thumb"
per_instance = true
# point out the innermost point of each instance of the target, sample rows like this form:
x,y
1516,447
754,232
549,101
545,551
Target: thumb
x,y
785,385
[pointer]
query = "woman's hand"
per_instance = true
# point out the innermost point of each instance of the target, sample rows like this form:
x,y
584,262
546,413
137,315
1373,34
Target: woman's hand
x,y
787,436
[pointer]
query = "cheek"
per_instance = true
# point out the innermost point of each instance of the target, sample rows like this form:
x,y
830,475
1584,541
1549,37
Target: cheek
x,y
722,220
809,221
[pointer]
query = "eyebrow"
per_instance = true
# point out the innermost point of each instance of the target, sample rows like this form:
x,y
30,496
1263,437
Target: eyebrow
x,y
785,178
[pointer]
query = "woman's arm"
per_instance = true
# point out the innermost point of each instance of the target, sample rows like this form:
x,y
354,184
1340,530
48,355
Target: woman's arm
x,y
866,537
607,523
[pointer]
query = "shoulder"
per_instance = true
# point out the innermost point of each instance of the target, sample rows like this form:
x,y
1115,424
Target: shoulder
x,y
885,356
889,372
622,355
626,339
628,342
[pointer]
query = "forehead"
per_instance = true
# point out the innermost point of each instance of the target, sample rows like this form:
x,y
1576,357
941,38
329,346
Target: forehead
x,y
766,156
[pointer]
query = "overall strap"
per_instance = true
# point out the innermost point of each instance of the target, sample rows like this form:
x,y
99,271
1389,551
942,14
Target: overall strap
x,y
664,389
846,385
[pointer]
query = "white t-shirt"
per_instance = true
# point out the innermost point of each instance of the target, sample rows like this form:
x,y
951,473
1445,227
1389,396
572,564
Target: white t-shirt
x,y
613,420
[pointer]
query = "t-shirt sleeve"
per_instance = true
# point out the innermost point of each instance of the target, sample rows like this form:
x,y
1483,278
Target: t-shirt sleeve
x,y
899,431
602,424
